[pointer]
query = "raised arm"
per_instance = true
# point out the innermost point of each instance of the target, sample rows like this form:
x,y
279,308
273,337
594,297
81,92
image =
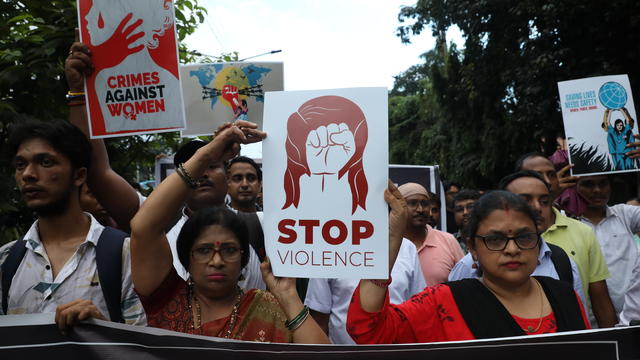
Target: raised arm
x,y
627,117
606,119
372,295
151,258
112,191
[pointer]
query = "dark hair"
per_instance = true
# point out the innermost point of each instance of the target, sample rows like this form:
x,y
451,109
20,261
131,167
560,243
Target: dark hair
x,y
186,151
449,184
496,200
523,158
505,181
615,124
467,194
61,135
433,198
244,159
217,215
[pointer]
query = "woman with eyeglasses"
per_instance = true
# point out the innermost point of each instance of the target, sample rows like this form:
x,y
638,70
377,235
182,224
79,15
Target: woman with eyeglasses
x,y
214,246
505,301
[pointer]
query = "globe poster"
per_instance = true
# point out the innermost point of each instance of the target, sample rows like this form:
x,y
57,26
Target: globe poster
x,y
599,122
220,92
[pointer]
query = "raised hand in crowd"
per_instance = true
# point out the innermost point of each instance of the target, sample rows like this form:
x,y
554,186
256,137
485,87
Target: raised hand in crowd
x,y
565,179
113,192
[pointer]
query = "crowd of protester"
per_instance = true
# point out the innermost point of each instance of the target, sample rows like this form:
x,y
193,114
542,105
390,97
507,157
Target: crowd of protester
x,y
543,252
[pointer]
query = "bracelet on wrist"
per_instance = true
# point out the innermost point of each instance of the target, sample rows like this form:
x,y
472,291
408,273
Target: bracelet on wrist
x,y
74,96
186,177
381,283
298,320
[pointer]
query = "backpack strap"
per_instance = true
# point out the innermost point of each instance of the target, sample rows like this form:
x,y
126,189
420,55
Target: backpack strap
x,y
9,269
109,264
561,263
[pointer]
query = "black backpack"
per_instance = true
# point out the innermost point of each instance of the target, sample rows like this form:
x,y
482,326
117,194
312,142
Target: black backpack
x,y
108,262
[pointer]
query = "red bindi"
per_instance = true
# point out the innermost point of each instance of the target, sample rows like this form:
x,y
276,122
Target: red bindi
x,y
217,243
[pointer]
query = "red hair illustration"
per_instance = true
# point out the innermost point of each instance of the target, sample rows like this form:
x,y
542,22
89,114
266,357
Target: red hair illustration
x,y
321,125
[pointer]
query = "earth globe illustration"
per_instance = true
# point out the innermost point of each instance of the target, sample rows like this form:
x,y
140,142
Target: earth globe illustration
x,y
612,95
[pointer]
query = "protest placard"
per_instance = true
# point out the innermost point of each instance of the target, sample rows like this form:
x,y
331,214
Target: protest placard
x,y
599,121
135,85
221,92
325,171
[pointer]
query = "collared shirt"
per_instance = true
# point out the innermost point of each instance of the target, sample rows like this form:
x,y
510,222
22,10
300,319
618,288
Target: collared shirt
x,y
615,234
251,272
35,290
464,269
438,254
332,296
579,242
631,308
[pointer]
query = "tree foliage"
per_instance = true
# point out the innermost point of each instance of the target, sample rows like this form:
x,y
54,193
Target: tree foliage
x,y
35,36
474,111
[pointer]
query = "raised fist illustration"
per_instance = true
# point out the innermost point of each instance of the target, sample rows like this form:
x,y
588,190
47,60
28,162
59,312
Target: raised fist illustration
x,y
329,148
230,93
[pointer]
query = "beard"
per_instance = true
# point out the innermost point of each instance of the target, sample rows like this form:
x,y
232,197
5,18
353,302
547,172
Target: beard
x,y
56,206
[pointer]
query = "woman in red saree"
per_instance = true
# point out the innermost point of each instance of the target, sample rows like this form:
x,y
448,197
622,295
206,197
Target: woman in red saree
x,y
214,246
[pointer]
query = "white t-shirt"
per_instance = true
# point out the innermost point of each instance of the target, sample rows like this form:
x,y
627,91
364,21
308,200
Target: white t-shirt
x,y
332,296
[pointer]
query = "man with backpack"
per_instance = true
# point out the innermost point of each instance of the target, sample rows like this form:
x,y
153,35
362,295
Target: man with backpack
x,y
67,262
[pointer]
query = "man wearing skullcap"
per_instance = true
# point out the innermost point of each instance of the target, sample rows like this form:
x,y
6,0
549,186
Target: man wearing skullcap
x,y
438,251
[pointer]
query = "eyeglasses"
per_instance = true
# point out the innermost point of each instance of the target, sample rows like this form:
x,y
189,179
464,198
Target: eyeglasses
x,y
413,204
498,242
205,254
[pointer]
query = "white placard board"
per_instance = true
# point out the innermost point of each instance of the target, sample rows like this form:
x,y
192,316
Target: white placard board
x,y
325,163
599,121
221,92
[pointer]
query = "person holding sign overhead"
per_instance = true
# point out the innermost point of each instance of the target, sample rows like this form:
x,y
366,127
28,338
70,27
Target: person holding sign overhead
x,y
505,301
214,246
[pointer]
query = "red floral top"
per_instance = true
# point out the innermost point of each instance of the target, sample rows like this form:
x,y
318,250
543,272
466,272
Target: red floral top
x,y
429,316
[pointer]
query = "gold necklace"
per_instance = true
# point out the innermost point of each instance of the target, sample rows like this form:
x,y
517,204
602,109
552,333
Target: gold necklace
x,y
529,329
197,315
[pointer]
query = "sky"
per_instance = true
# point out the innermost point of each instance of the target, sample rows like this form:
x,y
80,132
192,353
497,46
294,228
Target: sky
x,y
326,44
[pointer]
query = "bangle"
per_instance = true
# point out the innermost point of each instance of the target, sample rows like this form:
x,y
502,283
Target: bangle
x,y
298,320
184,175
381,283
74,95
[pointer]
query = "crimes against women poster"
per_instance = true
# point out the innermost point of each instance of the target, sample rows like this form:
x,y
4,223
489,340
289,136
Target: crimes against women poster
x,y
135,86
221,92
325,171
599,121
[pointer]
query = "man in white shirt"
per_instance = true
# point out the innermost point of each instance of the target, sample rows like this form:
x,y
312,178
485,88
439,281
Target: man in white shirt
x,y
614,227
329,299
58,270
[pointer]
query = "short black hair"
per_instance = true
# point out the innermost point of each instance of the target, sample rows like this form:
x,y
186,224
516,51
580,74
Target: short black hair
x,y
61,135
467,194
496,200
248,160
217,215
520,162
449,184
505,181
186,151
